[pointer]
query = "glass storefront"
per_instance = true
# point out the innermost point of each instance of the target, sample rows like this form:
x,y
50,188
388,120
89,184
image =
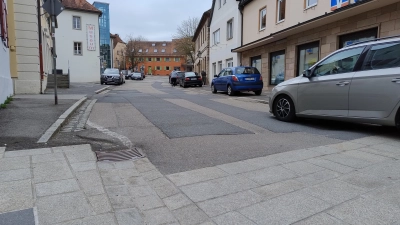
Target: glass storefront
x,y
352,38
104,28
307,56
277,67
256,62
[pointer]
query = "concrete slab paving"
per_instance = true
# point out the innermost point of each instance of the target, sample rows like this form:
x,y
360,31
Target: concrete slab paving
x,y
270,175
16,195
56,187
233,218
195,176
51,171
13,175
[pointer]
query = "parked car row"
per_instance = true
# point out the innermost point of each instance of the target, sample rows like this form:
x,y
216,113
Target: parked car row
x,y
186,79
112,76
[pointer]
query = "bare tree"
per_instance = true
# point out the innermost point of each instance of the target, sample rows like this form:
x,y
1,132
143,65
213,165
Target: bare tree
x,y
183,38
134,49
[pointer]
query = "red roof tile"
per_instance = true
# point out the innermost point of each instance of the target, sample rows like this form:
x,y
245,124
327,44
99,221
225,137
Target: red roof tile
x,y
82,5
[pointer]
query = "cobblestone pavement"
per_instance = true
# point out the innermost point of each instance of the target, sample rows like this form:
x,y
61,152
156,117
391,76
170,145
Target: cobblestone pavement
x,y
78,121
355,182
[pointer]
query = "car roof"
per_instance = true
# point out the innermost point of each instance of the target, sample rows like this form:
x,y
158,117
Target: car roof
x,y
374,41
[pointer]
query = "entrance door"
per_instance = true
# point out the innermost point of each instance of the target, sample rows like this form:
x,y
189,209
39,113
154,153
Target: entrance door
x,y
149,70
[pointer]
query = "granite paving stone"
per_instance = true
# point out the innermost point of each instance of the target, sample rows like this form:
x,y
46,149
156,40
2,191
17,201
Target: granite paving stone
x,y
104,219
133,181
13,175
190,214
277,189
394,143
21,217
27,152
80,155
152,175
321,219
176,201
228,203
61,208
144,167
239,167
15,163
348,145
159,182
56,187
233,218
335,191
148,202
47,157
129,217
140,191
159,216
218,187
371,140
83,166
330,165
15,195
119,190
128,173
270,175
195,176
348,160
318,177
166,190
389,194
90,182
285,209
51,171
100,203
302,168
366,211
263,162
325,150
390,169
112,180
366,156
365,180
128,164
296,155
383,150
122,202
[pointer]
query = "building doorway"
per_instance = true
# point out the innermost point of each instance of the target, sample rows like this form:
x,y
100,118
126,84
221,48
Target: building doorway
x,y
149,70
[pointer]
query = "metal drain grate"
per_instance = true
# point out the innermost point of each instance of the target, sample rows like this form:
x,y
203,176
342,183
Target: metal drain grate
x,y
122,155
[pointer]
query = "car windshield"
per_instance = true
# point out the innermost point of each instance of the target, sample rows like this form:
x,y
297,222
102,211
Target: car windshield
x,y
190,74
247,70
111,71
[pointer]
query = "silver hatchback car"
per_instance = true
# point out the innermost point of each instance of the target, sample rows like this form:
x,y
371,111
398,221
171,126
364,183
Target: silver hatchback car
x,y
358,83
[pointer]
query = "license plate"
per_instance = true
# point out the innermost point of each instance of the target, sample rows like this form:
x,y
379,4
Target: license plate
x,y
194,78
252,78
109,79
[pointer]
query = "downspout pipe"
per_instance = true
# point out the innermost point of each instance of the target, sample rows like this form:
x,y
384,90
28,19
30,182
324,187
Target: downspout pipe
x,y
241,31
40,45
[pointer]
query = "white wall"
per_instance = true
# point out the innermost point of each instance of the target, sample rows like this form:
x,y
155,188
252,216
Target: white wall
x,y
85,67
6,84
222,51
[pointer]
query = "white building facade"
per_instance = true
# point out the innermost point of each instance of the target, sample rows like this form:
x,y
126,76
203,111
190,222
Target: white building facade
x,y
77,44
225,34
6,84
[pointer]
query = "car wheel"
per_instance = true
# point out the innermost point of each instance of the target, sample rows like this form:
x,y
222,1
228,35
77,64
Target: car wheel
x,y
200,85
213,89
397,121
230,91
258,92
101,83
283,109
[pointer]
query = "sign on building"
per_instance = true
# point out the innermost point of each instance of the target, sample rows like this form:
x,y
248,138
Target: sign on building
x,y
336,4
91,37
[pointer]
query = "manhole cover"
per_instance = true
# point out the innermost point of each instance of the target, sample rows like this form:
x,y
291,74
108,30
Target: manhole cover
x,y
122,155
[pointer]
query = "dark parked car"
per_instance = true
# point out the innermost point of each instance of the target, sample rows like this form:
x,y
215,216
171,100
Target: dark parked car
x,y
190,79
176,74
112,76
136,76
236,79
126,73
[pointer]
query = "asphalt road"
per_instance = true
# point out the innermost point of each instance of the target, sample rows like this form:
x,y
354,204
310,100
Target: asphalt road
x,y
184,129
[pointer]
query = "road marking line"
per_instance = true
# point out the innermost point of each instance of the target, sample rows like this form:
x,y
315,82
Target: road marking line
x,y
125,141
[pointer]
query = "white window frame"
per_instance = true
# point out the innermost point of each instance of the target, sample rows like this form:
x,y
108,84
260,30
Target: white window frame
x,y
163,50
73,23
78,45
279,11
219,66
216,37
229,30
229,62
214,68
308,4
140,50
155,50
261,18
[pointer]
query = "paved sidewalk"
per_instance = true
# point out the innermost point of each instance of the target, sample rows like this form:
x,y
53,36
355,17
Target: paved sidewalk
x,y
355,182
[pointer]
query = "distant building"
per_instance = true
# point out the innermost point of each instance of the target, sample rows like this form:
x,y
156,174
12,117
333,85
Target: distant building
x,y
118,51
77,41
6,85
201,40
105,40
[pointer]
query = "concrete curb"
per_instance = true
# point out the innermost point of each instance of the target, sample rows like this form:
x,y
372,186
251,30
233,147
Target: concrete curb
x,y
60,121
101,90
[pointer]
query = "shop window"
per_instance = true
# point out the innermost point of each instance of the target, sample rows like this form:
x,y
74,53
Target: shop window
x,y
256,62
359,36
383,56
3,23
277,67
307,56
263,18
281,10
77,48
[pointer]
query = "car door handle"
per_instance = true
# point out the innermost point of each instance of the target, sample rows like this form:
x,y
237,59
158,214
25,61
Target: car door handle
x,y
397,80
343,83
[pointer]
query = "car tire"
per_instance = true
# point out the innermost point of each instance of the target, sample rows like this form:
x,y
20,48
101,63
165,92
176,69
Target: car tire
x,y
258,92
200,85
213,89
283,109
397,120
230,91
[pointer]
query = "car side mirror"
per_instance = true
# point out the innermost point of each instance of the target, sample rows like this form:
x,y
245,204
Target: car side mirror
x,y
307,73
215,75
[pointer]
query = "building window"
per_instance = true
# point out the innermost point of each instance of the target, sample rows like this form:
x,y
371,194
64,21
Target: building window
x,y
219,4
307,56
77,48
382,56
311,3
229,29
229,62
277,67
352,38
149,59
154,44
177,60
256,62
155,50
263,18
167,68
167,59
140,50
175,50
162,50
220,66
214,68
158,67
147,50
164,44
158,59
216,37
76,22
281,10
3,23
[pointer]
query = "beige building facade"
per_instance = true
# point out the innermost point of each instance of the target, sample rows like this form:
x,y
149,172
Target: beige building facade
x,y
201,40
119,47
285,37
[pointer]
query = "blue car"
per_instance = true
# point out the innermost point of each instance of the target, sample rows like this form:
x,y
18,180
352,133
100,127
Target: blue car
x,y
237,79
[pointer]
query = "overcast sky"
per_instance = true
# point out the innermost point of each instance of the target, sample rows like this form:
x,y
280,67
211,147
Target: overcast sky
x,y
156,20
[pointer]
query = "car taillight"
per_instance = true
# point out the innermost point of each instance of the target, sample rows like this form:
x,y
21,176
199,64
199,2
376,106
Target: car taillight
x,y
200,78
260,78
187,78
234,78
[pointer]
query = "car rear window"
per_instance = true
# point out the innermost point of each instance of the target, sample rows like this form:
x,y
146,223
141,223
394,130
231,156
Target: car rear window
x,y
247,70
111,71
190,74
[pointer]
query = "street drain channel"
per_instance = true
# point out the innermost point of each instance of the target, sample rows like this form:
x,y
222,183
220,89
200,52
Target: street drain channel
x,y
122,155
